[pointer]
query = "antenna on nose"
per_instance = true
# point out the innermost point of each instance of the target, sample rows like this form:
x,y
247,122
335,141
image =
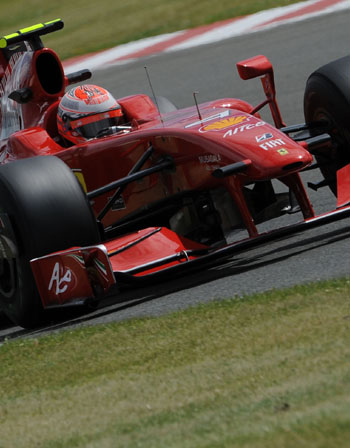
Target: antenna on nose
x,y
195,100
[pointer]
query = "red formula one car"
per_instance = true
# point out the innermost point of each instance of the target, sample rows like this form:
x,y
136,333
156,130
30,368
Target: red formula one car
x,y
157,197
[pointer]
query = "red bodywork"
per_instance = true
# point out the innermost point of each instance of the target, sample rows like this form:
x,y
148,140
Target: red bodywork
x,y
199,142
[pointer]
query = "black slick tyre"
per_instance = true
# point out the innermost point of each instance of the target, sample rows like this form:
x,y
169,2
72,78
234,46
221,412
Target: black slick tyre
x,y
327,100
43,209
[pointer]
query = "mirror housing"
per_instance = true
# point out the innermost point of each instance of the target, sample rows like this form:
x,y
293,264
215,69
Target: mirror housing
x,y
254,67
261,66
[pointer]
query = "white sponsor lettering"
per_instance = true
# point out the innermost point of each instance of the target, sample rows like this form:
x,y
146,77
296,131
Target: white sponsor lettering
x,y
66,278
212,117
243,128
14,58
209,158
212,167
272,144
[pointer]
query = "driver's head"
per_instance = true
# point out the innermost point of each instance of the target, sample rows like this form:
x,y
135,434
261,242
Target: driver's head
x,y
84,111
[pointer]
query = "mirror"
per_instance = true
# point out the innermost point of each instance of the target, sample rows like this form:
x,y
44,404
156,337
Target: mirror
x,y
254,67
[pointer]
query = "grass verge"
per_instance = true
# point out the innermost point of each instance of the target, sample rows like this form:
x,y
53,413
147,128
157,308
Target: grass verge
x,y
93,26
270,370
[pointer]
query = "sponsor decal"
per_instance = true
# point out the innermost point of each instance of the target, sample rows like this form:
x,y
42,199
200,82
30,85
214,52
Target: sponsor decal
x,y
209,158
212,167
226,113
60,279
261,138
119,204
100,266
272,144
78,258
6,76
223,124
243,128
80,176
282,151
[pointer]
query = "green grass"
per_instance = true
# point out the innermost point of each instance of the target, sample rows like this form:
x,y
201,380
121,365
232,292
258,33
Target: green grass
x,y
270,370
92,26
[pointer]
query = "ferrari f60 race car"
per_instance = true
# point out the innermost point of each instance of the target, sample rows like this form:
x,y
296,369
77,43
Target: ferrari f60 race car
x,y
160,199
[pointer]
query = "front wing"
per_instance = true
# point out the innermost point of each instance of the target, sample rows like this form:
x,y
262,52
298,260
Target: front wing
x,y
76,275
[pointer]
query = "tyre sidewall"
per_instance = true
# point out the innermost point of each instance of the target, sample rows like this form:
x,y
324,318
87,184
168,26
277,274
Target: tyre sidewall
x,y
327,97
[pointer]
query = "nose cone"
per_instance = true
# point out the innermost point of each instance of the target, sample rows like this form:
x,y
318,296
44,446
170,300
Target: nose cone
x,y
298,162
281,156
238,136
273,153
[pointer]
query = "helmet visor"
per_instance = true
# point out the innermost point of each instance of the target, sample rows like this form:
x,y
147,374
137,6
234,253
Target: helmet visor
x,y
89,126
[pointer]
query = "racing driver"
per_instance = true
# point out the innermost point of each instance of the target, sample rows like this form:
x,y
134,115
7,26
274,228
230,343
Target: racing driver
x,y
89,111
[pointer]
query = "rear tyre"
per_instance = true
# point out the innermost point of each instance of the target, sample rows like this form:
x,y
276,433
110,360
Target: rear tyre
x,y
43,209
327,99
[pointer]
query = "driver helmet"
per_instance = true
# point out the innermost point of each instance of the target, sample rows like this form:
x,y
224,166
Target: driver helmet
x,y
84,111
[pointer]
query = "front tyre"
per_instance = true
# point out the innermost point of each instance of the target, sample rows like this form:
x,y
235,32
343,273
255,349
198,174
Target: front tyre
x,y
43,209
327,100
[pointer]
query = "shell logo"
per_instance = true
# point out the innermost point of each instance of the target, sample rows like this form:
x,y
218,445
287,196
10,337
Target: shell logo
x,y
225,123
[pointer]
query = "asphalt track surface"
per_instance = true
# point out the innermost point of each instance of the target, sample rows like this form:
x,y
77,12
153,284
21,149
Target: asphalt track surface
x,y
323,253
